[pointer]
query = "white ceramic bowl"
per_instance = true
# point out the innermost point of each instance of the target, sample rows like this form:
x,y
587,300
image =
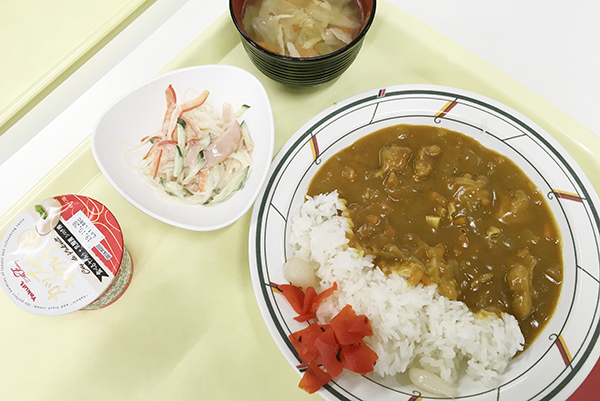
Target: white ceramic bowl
x,y
567,349
140,112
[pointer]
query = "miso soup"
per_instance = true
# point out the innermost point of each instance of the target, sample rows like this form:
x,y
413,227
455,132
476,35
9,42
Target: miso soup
x,y
303,28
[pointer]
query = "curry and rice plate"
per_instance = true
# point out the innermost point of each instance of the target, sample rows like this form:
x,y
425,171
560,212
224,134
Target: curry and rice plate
x,y
448,247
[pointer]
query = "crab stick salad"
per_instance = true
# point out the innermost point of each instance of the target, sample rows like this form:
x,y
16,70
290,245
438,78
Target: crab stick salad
x,y
201,155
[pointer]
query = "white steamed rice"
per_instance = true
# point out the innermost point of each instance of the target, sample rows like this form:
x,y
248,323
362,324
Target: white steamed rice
x,y
412,326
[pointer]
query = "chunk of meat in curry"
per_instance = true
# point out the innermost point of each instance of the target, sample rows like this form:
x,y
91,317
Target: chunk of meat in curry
x,y
437,207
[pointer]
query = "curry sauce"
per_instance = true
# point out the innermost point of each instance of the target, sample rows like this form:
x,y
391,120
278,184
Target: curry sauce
x,y
437,207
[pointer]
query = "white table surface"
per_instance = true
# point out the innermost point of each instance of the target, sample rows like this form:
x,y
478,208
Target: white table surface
x,y
551,47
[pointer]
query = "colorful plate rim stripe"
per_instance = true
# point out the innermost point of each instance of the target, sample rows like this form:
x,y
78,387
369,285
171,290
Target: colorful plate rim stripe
x,y
567,349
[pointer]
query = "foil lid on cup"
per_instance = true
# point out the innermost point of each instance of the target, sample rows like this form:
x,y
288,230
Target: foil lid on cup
x,y
64,254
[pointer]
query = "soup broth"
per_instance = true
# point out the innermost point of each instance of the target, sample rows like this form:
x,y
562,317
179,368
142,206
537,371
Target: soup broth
x,y
303,28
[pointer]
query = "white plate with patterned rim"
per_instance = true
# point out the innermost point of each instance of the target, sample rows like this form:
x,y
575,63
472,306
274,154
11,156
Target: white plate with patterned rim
x,y
567,349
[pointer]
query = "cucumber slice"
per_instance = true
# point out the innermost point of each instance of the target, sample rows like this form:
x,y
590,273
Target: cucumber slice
x,y
235,184
178,162
181,135
174,189
241,111
214,176
196,167
246,136
206,141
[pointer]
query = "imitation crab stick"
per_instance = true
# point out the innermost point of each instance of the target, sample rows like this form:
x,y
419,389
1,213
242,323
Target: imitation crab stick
x,y
197,102
171,98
